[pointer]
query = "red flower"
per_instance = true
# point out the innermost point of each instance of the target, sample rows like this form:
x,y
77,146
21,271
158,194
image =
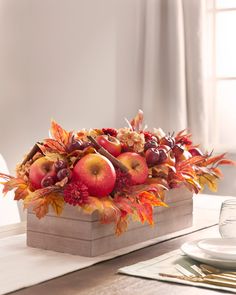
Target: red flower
x,y
76,193
123,181
110,131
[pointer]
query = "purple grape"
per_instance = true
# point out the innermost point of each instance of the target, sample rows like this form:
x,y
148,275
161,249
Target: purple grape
x,y
60,164
75,145
162,156
65,172
47,181
86,144
152,156
150,144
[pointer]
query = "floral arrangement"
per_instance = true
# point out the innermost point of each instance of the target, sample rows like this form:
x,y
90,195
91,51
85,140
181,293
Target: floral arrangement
x,y
121,173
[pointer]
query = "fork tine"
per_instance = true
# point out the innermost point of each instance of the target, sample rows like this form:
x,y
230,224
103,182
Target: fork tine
x,y
183,270
198,270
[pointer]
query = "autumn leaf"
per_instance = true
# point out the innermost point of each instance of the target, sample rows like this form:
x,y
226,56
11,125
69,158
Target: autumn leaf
x,y
92,205
209,180
14,183
52,145
106,207
21,192
40,201
137,122
40,205
217,172
196,160
226,162
149,198
61,135
124,204
52,156
121,225
213,160
6,176
57,202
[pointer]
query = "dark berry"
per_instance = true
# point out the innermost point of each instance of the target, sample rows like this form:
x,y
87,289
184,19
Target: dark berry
x,y
162,156
47,181
152,156
75,145
85,144
195,152
65,172
168,140
177,150
60,164
150,144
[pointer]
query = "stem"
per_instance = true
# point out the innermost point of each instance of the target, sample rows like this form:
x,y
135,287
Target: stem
x,y
30,155
106,154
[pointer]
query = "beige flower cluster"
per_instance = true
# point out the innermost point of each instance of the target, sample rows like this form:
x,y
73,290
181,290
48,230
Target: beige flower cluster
x,y
132,139
22,171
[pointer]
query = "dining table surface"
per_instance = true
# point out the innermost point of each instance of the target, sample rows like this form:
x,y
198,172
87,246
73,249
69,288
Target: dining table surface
x,y
103,279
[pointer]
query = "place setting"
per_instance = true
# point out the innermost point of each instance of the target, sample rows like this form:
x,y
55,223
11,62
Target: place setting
x,y
207,263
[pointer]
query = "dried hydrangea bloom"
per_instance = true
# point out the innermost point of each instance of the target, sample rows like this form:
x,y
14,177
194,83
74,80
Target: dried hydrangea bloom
x,y
83,133
132,139
22,171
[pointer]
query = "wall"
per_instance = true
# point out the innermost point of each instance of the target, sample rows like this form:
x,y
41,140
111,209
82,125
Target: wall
x,y
58,60
77,61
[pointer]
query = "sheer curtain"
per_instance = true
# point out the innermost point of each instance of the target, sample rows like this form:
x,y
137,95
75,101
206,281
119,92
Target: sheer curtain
x,y
174,92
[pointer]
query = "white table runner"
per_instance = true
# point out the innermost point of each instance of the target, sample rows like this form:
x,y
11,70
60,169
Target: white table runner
x,y
21,266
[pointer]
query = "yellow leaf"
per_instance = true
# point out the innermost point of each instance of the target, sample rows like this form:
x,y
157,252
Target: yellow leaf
x,y
210,180
57,202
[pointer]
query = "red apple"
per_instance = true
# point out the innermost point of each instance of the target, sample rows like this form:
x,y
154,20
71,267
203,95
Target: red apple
x,y
137,166
39,170
110,143
97,173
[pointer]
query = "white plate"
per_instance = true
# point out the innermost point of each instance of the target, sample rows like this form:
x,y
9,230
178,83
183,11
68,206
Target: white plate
x,y
219,248
192,250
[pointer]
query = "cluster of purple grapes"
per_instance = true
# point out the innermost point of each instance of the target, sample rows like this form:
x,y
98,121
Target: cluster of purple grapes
x,y
156,151
60,171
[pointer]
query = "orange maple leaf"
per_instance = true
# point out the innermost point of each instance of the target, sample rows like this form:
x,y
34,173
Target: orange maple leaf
x,y
61,135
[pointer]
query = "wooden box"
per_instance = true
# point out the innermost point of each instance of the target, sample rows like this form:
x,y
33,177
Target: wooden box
x,y
81,234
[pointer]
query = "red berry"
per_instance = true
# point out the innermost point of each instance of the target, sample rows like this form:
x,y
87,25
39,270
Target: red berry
x,y
149,136
110,131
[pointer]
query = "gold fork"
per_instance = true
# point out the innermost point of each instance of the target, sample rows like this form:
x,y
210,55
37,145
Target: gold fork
x,y
205,280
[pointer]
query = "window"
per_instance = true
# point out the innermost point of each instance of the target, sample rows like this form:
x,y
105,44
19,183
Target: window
x,y
222,24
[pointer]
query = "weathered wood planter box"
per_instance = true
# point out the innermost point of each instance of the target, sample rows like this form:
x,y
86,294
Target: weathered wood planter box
x,y
81,234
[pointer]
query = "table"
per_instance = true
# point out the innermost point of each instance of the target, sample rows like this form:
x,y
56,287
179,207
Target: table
x,y
101,279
